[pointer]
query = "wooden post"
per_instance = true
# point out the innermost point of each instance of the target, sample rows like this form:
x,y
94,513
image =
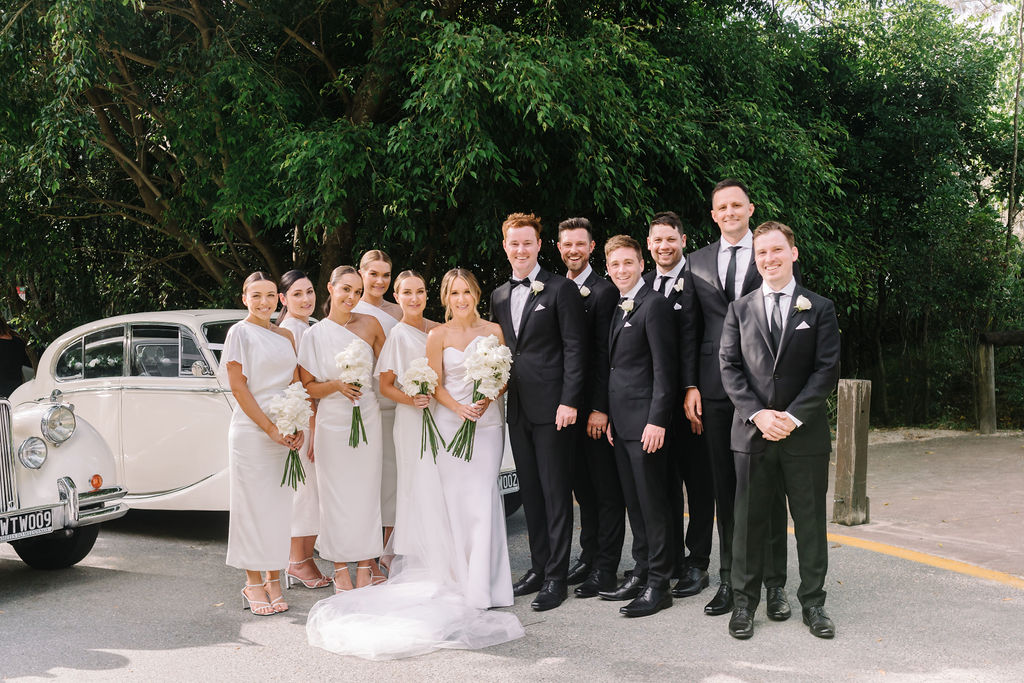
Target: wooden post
x,y
986,387
850,504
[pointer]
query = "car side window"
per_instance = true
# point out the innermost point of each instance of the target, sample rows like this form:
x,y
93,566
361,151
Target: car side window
x,y
190,353
104,353
69,364
155,351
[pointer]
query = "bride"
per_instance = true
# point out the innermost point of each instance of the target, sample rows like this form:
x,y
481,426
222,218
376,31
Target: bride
x,y
452,562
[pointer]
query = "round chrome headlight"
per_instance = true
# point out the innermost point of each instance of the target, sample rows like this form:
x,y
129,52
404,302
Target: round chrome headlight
x,y
32,452
58,424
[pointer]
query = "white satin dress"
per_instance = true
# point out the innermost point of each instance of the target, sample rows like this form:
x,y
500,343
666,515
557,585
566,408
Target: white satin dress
x,y
389,469
450,569
259,525
348,479
306,501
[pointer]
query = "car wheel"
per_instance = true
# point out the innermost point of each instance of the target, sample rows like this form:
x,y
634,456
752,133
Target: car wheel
x,y
57,550
512,502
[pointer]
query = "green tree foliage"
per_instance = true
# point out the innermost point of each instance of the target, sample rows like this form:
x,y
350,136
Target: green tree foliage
x,y
152,154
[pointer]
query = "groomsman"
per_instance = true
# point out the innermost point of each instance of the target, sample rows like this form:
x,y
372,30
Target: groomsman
x,y
641,394
687,456
716,275
541,315
595,477
780,362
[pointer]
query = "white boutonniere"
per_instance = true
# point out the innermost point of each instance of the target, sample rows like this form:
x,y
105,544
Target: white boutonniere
x,y
679,285
626,307
584,291
802,303
536,286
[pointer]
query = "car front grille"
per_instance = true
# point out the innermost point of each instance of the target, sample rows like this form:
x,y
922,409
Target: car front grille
x,y
8,484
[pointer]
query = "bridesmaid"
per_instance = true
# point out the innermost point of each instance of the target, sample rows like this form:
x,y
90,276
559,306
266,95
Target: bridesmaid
x,y
348,478
406,342
375,271
298,298
259,361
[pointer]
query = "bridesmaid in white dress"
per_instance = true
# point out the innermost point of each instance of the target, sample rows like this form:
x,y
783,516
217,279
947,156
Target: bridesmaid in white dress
x,y
406,342
475,508
258,362
375,271
298,299
348,478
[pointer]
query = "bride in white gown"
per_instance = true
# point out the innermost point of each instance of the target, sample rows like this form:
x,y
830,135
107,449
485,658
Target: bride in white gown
x,y
453,554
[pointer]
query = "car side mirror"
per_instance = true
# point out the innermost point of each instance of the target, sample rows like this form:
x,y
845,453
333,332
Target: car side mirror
x,y
201,369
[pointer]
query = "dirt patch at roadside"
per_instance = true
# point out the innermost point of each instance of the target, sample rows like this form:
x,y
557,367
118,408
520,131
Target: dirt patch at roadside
x,y
903,434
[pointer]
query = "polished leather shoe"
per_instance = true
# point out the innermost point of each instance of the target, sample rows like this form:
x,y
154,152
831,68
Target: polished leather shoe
x,y
819,622
778,605
741,625
721,603
551,595
651,601
692,581
578,573
629,589
598,580
530,583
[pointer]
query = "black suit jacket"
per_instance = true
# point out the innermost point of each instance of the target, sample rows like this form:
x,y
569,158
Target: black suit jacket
x,y
643,366
549,355
679,305
798,380
599,306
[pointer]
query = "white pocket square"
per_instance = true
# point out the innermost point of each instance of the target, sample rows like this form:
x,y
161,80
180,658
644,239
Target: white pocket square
x,y
540,307
676,307
628,325
803,325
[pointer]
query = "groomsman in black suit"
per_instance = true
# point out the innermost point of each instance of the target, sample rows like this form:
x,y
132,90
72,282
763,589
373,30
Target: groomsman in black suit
x,y
687,455
643,366
780,362
716,275
595,477
541,315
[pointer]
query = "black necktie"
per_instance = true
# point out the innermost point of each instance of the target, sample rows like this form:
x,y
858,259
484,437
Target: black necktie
x,y
662,281
515,283
730,275
776,321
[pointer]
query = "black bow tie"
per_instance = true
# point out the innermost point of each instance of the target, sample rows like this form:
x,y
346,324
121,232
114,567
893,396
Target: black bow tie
x,y
525,282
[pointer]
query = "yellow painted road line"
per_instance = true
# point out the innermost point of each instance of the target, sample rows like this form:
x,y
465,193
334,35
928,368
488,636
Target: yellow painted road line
x,y
931,560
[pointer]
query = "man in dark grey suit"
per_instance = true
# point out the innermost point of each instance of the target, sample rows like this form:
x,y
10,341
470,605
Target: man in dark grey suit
x,y
595,479
715,275
541,315
780,362
643,366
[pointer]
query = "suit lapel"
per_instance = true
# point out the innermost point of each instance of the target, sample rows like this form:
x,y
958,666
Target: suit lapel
x,y
761,320
503,311
620,320
713,269
531,303
787,329
752,279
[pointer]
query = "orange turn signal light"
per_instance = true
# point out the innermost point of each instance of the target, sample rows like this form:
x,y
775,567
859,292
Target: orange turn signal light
x,y
96,481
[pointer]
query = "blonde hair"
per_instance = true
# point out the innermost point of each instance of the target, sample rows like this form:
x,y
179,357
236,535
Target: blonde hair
x,y
336,275
447,283
407,274
620,242
258,276
374,255
521,220
772,226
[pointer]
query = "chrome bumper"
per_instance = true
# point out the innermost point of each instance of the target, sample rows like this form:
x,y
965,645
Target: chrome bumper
x,y
101,505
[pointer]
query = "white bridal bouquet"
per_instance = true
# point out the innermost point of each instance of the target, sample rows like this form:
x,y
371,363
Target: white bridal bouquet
x,y
290,412
487,367
356,365
419,379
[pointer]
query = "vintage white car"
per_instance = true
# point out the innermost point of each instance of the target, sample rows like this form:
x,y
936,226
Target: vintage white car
x,y
148,382
56,483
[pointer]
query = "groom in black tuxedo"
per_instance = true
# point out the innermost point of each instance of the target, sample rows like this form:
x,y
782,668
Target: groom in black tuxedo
x,y
780,362
541,316
643,366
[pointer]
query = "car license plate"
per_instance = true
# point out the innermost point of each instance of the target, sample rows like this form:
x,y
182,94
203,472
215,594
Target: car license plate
x,y
508,482
26,524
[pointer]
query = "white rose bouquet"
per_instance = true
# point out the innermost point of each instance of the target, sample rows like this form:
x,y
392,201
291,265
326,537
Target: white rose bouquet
x,y
290,412
419,379
488,368
355,362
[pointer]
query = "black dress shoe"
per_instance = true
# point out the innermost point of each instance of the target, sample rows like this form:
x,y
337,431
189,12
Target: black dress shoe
x,y
692,581
651,601
629,589
551,595
741,625
578,573
599,580
530,583
819,622
778,604
721,603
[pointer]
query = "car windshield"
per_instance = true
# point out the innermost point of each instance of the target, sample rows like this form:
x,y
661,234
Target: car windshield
x,y
216,333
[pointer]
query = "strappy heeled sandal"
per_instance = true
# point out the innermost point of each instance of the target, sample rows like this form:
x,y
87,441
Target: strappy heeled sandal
x,y
277,604
316,582
258,607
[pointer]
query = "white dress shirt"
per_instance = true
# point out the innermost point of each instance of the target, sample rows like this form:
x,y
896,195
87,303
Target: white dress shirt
x,y
785,303
582,277
519,296
631,294
673,275
743,256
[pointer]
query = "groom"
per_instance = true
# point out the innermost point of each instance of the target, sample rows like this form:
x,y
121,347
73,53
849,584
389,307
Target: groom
x,y
541,315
